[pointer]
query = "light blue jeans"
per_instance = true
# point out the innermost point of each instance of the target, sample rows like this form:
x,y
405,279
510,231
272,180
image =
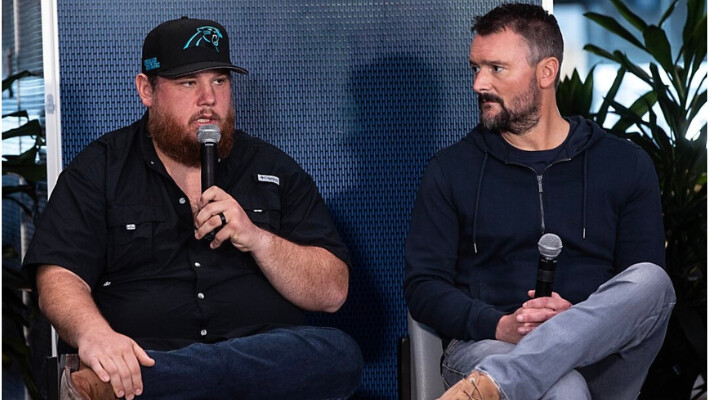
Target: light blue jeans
x,y
599,349
294,363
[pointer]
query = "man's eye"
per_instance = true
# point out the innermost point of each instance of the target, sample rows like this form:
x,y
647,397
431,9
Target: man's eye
x,y
475,68
497,68
187,83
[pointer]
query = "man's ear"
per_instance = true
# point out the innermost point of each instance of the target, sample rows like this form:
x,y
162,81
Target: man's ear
x,y
145,89
547,71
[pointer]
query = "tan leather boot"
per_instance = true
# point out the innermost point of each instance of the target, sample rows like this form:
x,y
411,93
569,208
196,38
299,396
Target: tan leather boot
x,y
78,382
476,386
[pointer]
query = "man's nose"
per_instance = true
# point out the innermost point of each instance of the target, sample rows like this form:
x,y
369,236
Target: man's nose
x,y
481,82
206,95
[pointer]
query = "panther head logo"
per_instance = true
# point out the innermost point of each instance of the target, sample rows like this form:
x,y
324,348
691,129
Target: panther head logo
x,y
206,36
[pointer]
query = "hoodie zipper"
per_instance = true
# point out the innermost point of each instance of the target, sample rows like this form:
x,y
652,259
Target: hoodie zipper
x,y
540,186
541,202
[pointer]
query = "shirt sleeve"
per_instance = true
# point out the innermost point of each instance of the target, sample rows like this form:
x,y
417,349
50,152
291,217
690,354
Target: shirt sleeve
x,y
305,219
72,230
431,255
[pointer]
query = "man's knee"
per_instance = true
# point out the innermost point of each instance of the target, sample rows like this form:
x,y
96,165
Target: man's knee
x,y
333,340
570,386
341,351
339,370
654,279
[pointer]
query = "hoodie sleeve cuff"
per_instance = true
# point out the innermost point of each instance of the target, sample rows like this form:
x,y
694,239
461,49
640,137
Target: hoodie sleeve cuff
x,y
486,324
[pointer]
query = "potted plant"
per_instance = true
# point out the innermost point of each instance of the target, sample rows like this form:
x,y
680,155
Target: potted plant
x,y
675,94
19,313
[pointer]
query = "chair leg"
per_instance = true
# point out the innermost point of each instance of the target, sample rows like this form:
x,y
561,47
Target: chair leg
x,y
52,375
404,368
54,368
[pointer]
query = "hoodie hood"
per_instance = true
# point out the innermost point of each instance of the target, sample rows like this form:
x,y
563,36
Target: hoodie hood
x,y
582,135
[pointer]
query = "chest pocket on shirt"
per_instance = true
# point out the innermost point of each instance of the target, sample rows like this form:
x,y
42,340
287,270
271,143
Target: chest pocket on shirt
x,y
130,237
263,208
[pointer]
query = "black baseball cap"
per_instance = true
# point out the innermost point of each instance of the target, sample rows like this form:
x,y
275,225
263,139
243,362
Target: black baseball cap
x,y
185,46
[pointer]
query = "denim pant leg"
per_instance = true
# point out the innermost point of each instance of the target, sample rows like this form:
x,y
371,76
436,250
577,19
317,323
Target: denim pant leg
x,y
620,327
462,357
294,363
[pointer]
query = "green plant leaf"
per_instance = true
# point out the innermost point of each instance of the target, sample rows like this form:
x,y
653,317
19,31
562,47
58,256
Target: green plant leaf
x,y
9,251
696,105
28,157
587,89
610,96
18,114
634,69
8,190
15,311
695,13
614,27
658,46
694,34
600,52
699,37
7,82
31,172
672,107
629,16
25,165
667,13
633,115
31,128
574,96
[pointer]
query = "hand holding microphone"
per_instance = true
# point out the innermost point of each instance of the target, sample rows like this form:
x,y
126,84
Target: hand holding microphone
x,y
549,249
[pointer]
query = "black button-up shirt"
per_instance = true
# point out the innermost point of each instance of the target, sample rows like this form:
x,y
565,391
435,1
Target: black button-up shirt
x,y
119,221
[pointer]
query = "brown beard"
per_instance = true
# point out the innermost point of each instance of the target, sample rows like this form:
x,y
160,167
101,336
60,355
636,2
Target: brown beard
x,y
518,119
181,145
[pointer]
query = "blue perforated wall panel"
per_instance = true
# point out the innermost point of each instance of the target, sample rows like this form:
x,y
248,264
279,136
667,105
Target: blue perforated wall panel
x,y
361,93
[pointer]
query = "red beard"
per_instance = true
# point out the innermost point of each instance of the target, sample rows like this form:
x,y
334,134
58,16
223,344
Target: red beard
x,y
181,145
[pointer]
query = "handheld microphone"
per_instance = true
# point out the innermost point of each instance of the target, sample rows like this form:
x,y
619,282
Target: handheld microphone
x,y
208,137
549,248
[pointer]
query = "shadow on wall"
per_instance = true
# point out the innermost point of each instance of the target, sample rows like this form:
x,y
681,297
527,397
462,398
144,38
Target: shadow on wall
x,y
392,134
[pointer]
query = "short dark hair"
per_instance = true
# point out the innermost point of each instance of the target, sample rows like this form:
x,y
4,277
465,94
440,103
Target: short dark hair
x,y
153,80
538,28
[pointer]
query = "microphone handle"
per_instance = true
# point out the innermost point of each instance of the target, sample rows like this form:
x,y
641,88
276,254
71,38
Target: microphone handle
x,y
209,165
545,277
209,175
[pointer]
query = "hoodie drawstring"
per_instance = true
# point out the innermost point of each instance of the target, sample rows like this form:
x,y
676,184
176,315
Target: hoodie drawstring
x,y
585,185
477,202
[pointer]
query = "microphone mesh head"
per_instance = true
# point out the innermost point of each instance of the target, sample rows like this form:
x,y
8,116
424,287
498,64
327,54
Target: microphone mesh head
x,y
208,134
550,245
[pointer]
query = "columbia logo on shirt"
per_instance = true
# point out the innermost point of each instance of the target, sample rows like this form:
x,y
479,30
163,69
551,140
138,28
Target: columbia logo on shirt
x,y
269,178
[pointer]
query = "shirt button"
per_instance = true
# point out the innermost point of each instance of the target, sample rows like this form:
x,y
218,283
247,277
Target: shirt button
x,y
200,295
182,200
203,332
197,265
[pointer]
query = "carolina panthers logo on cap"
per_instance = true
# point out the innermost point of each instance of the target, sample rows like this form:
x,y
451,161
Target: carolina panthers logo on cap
x,y
206,36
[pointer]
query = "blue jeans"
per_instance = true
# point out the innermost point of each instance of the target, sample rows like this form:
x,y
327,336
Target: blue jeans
x,y
294,363
600,348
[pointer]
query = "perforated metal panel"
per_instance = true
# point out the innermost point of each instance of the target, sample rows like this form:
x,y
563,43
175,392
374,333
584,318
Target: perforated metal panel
x,y
361,93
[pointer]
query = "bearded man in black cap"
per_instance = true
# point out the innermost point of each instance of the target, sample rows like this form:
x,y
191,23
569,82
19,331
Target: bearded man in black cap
x,y
129,275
